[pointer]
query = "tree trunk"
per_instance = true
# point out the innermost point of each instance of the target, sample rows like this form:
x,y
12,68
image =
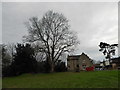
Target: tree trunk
x,y
109,58
52,67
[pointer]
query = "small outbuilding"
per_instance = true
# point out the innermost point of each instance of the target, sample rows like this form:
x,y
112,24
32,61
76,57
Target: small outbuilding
x,y
115,62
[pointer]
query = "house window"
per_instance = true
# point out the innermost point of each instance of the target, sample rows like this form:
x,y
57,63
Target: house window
x,y
77,65
84,67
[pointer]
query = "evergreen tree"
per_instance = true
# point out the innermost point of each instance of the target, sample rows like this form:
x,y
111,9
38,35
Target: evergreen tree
x,y
24,60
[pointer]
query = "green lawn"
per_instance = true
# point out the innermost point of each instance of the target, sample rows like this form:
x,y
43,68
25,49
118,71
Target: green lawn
x,y
95,79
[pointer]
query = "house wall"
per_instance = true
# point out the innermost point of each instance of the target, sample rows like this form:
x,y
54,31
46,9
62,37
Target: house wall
x,y
72,65
114,66
83,60
101,64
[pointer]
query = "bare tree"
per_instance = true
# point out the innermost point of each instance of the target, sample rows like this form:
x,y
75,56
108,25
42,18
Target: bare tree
x,y
11,50
5,56
39,54
52,31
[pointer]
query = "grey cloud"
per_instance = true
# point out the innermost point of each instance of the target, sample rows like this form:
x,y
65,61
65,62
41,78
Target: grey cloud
x,y
93,22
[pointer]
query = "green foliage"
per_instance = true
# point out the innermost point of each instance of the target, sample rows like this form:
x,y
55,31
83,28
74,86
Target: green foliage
x,y
60,66
43,67
24,61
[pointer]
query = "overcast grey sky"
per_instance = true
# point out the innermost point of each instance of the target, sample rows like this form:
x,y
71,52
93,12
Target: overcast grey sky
x,y
94,22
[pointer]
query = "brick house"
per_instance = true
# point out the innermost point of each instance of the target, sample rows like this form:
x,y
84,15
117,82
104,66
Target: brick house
x,y
78,62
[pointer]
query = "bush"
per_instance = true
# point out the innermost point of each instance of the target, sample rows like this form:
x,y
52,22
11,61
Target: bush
x,y
60,67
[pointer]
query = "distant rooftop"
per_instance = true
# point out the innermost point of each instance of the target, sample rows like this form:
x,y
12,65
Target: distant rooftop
x,y
76,57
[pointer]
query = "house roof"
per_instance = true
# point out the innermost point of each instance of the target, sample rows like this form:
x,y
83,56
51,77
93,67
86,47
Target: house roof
x,y
76,57
96,64
73,57
116,60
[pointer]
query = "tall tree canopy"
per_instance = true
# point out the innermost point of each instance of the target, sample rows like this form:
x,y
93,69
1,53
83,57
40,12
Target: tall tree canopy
x,y
107,49
24,60
53,34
